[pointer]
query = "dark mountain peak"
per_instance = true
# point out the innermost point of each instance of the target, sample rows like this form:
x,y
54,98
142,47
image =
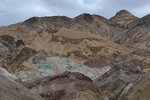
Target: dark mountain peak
x,y
85,16
54,18
122,12
32,20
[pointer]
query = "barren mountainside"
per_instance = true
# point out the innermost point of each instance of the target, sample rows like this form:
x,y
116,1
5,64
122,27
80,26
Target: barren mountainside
x,y
88,57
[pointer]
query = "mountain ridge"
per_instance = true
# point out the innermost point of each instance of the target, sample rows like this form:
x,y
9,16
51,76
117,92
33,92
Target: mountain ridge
x,y
88,57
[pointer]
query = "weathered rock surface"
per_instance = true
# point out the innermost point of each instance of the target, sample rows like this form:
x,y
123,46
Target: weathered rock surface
x,y
11,90
38,51
138,34
93,67
139,90
117,78
124,18
67,86
8,47
83,23
27,63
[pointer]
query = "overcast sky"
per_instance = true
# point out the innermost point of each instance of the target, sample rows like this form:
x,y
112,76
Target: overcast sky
x,y
13,11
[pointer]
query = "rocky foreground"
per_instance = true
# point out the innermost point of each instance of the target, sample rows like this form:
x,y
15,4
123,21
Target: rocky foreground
x,y
88,57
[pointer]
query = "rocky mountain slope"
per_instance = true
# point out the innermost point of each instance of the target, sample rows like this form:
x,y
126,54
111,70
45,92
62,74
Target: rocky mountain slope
x,y
11,90
88,57
67,86
138,34
82,23
124,18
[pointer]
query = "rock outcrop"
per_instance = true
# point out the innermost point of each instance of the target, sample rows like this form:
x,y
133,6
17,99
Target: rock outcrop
x,y
67,86
139,90
138,34
11,90
116,79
